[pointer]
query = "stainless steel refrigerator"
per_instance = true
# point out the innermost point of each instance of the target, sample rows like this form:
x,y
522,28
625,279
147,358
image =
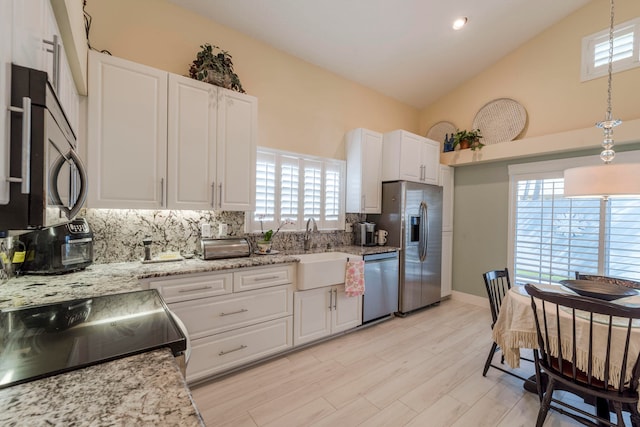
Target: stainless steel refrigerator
x,y
412,214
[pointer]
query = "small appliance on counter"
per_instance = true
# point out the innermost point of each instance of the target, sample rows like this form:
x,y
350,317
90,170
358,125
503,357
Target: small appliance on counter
x,y
63,248
224,248
365,233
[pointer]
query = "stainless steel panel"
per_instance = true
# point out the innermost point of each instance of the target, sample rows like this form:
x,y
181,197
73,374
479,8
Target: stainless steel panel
x,y
381,286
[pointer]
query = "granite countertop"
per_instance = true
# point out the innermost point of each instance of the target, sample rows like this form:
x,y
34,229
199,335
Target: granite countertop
x,y
103,279
142,390
145,389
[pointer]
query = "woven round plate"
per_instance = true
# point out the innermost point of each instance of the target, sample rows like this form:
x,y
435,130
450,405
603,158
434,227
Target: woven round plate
x,y
500,120
438,131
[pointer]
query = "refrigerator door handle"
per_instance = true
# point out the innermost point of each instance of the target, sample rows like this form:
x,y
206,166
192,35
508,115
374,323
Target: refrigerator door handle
x,y
424,231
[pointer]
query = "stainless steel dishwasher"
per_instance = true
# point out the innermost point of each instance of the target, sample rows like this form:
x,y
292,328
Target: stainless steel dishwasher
x,y
380,286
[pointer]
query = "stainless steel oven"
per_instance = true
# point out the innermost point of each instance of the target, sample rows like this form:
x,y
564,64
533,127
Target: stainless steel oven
x,y
48,182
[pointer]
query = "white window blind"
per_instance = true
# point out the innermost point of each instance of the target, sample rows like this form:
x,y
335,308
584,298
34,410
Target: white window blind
x,y
554,237
265,188
623,251
289,188
312,189
297,187
626,50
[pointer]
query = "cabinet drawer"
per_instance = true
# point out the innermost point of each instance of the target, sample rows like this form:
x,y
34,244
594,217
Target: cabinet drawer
x,y
193,286
210,316
220,352
261,277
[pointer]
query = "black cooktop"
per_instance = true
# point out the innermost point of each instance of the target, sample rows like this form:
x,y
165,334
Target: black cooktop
x,y
45,340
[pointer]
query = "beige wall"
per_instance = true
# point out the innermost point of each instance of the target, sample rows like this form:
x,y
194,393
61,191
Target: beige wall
x,y
544,76
301,107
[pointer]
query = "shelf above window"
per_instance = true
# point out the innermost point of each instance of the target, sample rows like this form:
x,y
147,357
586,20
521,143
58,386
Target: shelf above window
x,y
573,140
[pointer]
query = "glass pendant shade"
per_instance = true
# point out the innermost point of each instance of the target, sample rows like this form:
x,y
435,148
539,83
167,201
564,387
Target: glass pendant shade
x,y
605,180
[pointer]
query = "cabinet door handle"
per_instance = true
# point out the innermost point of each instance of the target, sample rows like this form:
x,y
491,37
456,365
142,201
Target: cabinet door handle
x,y
161,192
213,194
220,195
330,299
55,51
242,310
202,288
257,279
335,300
222,353
25,178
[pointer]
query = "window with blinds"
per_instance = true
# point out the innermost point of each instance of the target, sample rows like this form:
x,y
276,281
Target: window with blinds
x,y
297,187
555,236
626,50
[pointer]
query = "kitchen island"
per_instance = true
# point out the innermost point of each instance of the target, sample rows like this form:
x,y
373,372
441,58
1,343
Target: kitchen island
x,y
145,389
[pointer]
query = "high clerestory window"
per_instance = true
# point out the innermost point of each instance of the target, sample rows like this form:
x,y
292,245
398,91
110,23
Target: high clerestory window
x,y
292,186
626,50
551,237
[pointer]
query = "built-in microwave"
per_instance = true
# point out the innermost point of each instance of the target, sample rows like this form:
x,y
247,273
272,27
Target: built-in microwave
x,y
48,182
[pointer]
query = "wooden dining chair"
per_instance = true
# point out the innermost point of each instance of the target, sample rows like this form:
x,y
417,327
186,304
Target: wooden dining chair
x,y
601,330
497,284
607,279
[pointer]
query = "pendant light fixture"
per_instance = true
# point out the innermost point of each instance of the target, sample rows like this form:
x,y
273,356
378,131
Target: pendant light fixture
x,y
605,180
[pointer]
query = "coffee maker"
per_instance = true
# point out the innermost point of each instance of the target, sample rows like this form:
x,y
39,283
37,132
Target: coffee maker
x,y
365,233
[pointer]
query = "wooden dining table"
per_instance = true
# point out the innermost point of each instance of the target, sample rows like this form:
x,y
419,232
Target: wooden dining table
x,y
515,329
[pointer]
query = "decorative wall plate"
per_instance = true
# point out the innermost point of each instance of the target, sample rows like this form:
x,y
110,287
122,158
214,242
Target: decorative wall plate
x,y
438,131
500,120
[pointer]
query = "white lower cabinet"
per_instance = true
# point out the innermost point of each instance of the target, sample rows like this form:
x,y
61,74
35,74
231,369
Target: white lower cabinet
x,y
227,350
324,311
229,325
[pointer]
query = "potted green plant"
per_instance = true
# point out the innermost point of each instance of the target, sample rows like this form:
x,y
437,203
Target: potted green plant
x,y
468,139
265,242
213,65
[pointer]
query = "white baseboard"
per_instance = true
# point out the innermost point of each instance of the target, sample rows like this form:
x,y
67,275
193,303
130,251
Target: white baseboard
x,y
470,299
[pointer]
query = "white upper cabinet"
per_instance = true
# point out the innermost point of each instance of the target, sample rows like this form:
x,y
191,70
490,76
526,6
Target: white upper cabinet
x,y
237,142
364,171
410,157
191,164
36,43
30,47
159,140
127,134
5,95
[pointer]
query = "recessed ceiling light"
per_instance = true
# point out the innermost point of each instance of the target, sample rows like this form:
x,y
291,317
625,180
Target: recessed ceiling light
x,y
460,22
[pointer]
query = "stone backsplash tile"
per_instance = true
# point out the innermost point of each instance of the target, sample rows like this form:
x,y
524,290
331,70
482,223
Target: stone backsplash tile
x,y
118,233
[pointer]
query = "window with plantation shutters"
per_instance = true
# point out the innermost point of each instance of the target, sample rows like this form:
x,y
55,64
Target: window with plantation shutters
x,y
626,50
297,187
552,237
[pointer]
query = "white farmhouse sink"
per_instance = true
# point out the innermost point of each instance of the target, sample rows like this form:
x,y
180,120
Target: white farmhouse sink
x,y
321,269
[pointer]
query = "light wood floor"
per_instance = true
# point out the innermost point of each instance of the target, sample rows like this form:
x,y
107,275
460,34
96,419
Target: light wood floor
x,y
421,370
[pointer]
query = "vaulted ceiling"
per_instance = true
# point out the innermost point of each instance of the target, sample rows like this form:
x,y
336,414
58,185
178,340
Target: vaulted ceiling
x,y
405,49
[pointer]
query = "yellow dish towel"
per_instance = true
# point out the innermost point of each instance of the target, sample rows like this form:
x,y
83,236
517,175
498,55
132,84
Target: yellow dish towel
x,y
354,279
